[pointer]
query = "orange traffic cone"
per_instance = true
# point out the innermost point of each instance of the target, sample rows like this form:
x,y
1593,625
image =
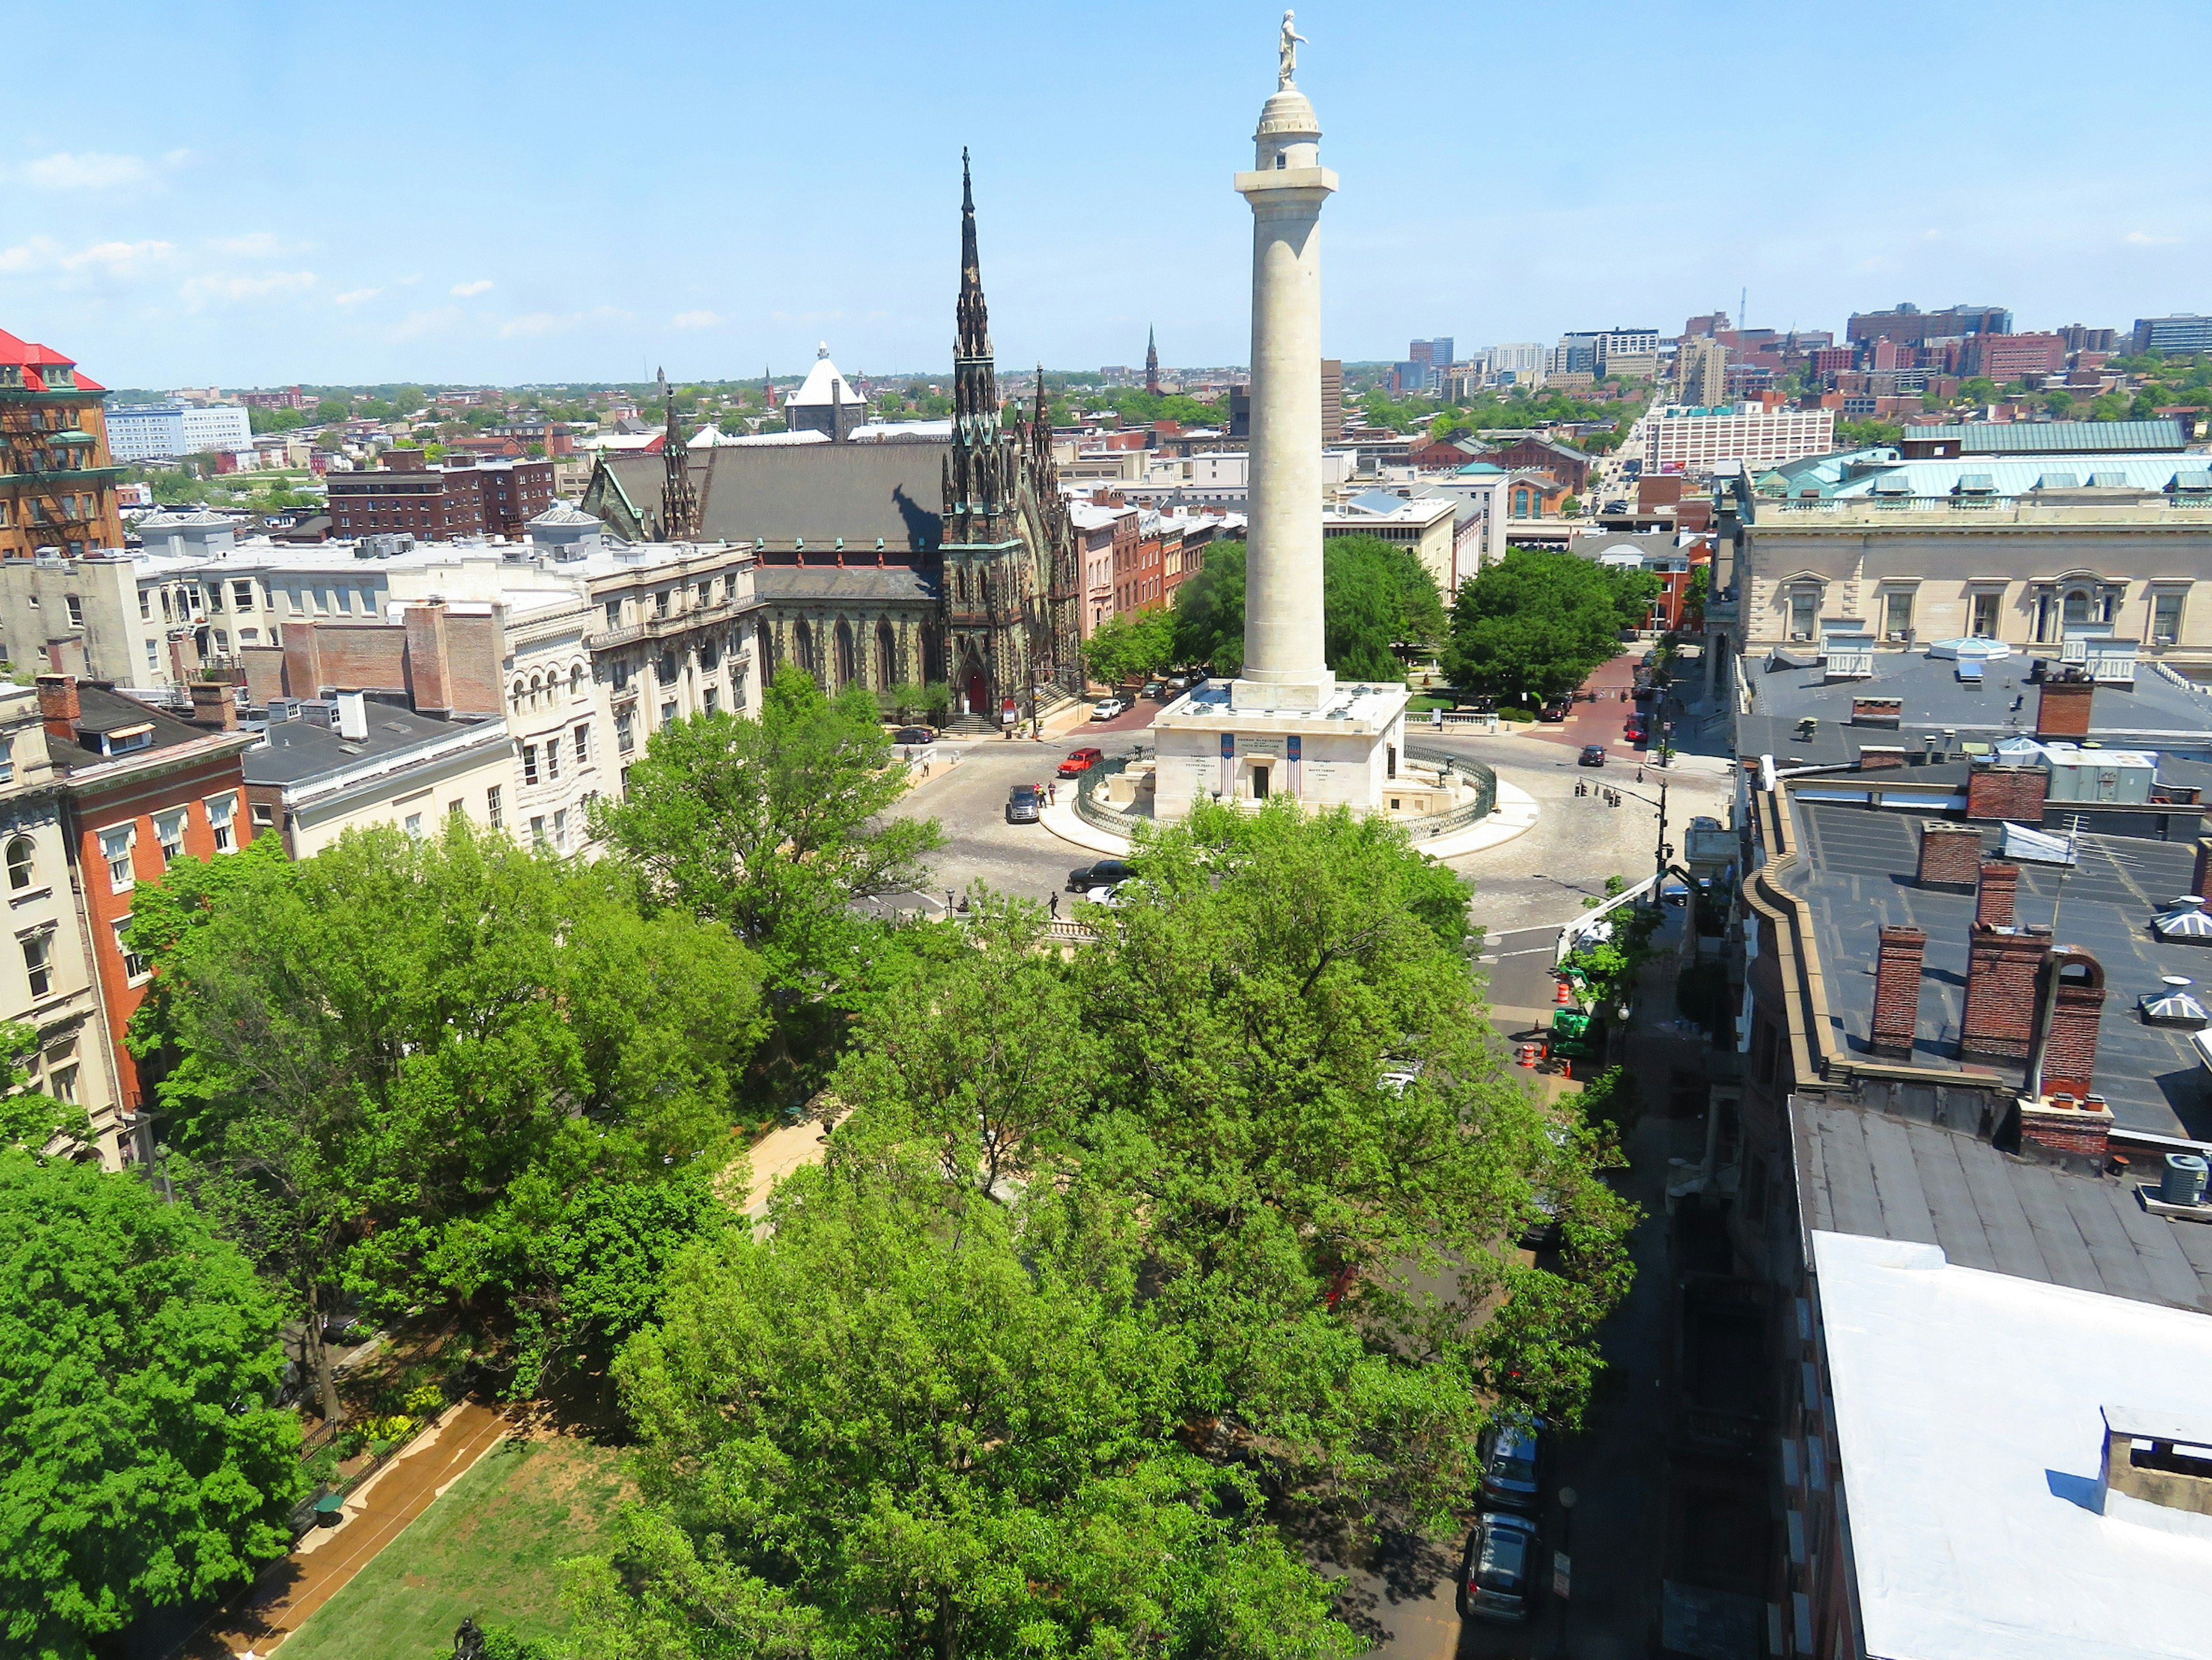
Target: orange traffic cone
x,y
1527,1055
1562,994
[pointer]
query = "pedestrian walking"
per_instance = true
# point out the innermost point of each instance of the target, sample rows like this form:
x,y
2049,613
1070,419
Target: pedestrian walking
x,y
1051,792
1052,909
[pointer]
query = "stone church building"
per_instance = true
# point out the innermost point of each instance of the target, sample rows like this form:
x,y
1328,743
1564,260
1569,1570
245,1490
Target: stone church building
x,y
887,555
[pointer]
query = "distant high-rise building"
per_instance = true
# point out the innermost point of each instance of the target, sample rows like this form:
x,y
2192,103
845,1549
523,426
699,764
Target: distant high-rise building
x,y
1713,322
1152,364
1425,365
2182,332
1701,371
2079,338
1908,325
1332,399
1576,354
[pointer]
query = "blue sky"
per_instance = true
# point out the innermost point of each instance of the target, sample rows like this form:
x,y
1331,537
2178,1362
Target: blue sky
x,y
256,193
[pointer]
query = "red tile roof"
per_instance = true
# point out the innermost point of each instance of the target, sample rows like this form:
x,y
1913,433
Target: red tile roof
x,y
22,354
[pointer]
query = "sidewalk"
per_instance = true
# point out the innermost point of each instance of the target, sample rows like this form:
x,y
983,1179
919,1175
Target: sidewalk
x,y
376,1514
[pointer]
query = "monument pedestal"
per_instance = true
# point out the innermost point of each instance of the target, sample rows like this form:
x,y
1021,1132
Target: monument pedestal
x,y
1250,740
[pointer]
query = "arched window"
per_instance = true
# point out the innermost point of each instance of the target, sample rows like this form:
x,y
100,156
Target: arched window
x,y
576,680
802,647
886,657
521,691
19,856
847,669
536,690
710,653
2077,605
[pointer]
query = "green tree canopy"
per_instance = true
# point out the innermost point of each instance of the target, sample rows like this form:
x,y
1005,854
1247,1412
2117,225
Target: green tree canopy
x,y
436,1069
774,827
140,1467
1375,595
1128,648
1867,434
1536,622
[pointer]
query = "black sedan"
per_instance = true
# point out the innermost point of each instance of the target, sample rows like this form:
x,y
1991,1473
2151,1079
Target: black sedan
x,y
1104,873
1593,755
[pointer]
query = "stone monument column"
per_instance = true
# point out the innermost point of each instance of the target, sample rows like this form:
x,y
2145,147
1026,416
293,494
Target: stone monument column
x,y
1286,665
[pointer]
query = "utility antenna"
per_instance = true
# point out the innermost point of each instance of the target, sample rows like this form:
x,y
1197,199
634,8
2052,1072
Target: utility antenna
x,y
1742,306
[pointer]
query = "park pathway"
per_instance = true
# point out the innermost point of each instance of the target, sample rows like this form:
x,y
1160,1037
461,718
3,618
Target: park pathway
x,y
292,1589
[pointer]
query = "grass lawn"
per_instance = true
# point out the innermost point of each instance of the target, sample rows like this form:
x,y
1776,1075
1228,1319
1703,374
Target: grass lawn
x,y
491,1547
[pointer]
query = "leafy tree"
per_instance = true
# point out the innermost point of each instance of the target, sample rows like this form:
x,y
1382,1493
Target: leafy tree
x,y
1375,595
1536,622
140,1465
29,1120
1979,389
1298,1101
773,827
424,1067
1128,648
1866,434
893,1427
2059,402
332,409
1210,611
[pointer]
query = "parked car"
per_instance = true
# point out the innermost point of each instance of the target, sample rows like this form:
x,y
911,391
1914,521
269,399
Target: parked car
x,y
1555,710
1103,893
913,735
1106,871
1616,507
1155,688
1513,1459
1081,761
1025,805
1498,1579
1109,708
1593,755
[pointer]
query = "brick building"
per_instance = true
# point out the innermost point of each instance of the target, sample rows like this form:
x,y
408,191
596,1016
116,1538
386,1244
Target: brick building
x,y
139,787
2004,357
56,479
436,504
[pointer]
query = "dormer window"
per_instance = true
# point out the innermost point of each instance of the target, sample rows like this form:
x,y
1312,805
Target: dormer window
x,y
125,739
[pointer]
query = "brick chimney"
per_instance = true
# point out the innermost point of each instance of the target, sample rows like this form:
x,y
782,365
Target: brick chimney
x,y
213,705
2063,710
59,706
2000,1016
2067,1123
1950,856
2069,1047
429,676
1993,897
2013,793
1897,990
2203,867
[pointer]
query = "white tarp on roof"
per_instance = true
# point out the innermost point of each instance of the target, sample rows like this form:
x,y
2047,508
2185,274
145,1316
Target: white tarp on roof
x,y
2037,846
1968,1405
1969,650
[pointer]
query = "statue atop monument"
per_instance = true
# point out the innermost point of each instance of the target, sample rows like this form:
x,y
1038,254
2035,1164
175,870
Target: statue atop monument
x,y
1287,73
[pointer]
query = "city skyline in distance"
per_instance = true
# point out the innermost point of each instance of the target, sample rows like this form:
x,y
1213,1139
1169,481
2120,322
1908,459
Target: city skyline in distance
x,y
262,197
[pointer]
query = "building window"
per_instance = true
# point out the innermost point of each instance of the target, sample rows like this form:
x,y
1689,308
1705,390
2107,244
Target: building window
x,y
136,969
660,603
561,830
1897,615
169,831
222,812
145,604
583,744
1804,615
1983,625
2077,606
115,847
493,816
241,596
61,1084
576,680
39,961
614,613
76,610
264,815
537,831
553,760
664,668
2165,618
21,862
530,763
668,713
710,701
625,734
414,825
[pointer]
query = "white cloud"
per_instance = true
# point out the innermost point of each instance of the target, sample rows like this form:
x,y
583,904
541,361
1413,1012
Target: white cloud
x,y
2144,239
356,296
469,290
117,258
537,323
87,171
201,290
698,319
